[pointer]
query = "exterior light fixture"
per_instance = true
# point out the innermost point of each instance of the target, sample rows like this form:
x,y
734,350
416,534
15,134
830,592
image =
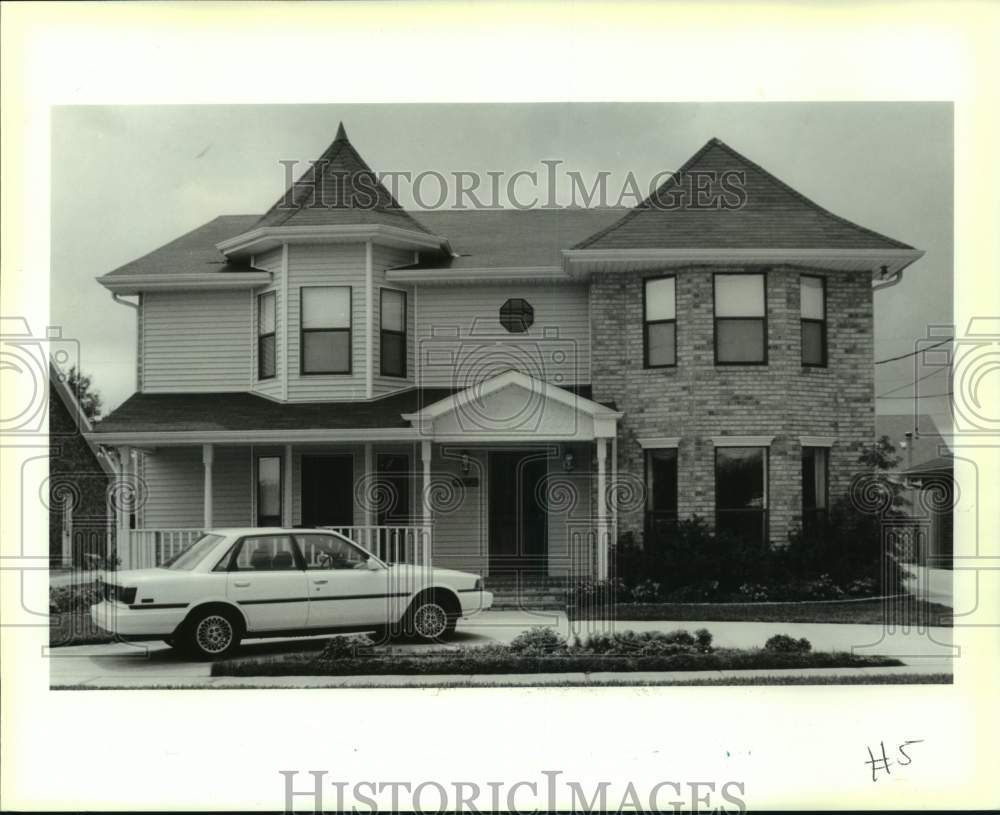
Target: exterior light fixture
x,y
569,461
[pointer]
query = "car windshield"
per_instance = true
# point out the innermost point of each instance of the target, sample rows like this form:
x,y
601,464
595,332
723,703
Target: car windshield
x,y
191,556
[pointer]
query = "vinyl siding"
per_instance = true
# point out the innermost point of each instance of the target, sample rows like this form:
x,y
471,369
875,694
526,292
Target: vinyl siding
x,y
319,265
270,262
174,480
196,341
460,340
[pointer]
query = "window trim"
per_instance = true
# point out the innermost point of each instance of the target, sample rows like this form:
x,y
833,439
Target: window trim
x,y
647,323
715,318
382,330
260,337
281,489
349,330
822,323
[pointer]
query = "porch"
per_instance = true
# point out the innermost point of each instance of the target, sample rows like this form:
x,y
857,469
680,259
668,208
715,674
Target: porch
x,y
522,511
513,475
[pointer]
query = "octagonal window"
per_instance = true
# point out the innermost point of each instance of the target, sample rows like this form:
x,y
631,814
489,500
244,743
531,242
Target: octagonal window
x,y
517,315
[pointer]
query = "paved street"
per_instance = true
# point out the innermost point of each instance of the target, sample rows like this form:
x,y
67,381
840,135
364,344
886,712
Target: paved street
x,y
154,664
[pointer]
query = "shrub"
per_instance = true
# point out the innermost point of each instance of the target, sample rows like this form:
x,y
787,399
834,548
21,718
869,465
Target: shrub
x,y
598,592
703,592
782,643
752,593
703,639
648,591
73,598
347,647
538,640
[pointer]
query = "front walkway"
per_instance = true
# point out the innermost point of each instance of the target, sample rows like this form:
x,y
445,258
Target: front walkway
x,y
154,664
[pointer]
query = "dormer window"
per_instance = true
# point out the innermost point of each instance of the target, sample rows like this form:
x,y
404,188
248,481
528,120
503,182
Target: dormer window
x,y
266,356
392,330
325,338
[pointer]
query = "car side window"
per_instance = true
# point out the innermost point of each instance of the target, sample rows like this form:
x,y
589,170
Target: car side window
x,y
329,552
265,553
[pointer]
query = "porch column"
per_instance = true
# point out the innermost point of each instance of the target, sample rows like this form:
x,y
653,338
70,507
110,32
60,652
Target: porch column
x,y
122,508
425,457
286,487
614,489
602,509
369,486
208,458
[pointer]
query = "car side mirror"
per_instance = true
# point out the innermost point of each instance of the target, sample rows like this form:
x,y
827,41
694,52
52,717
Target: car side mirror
x,y
373,565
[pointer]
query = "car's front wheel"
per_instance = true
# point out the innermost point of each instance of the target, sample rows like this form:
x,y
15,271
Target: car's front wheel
x,y
428,619
211,634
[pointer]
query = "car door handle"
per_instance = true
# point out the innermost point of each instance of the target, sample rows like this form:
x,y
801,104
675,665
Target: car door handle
x,y
241,584
321,582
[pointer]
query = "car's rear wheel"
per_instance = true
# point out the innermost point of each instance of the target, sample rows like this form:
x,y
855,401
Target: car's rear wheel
x,y
211,634
428,619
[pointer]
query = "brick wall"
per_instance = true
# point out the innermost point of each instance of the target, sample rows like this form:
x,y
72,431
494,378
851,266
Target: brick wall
x,y
698,400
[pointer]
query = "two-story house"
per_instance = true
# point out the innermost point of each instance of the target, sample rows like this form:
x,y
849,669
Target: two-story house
x,y
501,390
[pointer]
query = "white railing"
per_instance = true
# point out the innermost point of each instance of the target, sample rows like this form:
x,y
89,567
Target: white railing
x,y
393,544
150,547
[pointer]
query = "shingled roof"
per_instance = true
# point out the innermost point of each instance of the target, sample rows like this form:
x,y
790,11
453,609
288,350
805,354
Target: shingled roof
x,y
339,188
195,412
773,215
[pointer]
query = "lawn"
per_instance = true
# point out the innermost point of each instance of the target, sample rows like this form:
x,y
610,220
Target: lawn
x,y
898,611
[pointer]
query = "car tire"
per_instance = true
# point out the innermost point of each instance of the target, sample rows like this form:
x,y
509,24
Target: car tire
x,y
428,620
211,634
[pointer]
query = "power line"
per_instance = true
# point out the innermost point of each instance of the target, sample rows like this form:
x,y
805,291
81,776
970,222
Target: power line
x,y
918,396
914,353
911,384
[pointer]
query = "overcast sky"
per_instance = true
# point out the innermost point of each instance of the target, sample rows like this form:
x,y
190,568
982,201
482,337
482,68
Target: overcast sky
x,y
128,179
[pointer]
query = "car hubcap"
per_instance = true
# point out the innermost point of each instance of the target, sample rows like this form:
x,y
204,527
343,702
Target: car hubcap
x,y
214,634
430,620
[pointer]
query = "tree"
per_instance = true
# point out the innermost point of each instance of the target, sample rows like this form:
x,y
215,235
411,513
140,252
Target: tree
x,y
81,387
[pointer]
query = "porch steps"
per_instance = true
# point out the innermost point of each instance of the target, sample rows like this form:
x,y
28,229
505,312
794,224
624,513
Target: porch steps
x,y
529,592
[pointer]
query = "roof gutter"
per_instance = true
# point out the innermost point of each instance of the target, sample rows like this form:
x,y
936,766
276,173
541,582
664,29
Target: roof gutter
x,y
135,283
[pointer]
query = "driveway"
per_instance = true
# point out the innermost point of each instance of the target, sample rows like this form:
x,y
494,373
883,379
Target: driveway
x,y
154,664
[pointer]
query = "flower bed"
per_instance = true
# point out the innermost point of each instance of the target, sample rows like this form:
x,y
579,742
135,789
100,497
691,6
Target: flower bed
x,y
543,651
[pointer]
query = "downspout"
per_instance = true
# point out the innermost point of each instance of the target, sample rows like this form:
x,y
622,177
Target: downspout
x,y
887,284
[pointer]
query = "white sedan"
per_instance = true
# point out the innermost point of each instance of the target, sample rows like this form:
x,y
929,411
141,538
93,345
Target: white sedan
x,y
235,583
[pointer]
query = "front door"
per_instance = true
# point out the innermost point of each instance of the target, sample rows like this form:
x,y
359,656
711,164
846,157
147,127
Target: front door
x,y
328,490
518,520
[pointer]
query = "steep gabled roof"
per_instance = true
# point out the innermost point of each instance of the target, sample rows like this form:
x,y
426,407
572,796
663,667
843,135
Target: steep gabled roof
x,y
339,188
772,216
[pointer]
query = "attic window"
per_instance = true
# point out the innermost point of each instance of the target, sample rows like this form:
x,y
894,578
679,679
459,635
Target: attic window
x,y
517,315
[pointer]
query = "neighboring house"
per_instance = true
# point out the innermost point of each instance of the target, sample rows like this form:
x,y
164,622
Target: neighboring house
x,y
927,468
554,377
79,479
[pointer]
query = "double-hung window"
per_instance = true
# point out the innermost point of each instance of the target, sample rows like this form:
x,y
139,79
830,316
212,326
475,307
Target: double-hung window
x,y
815,481
325,340
266,352
660,323
661,491
392,313
740,319
268,491
741,492
813,306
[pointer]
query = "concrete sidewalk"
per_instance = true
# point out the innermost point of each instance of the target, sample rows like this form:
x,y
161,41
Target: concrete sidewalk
x,y
153,664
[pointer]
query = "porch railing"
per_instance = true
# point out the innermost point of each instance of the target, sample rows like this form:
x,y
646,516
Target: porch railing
x,y
394,544
151,547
